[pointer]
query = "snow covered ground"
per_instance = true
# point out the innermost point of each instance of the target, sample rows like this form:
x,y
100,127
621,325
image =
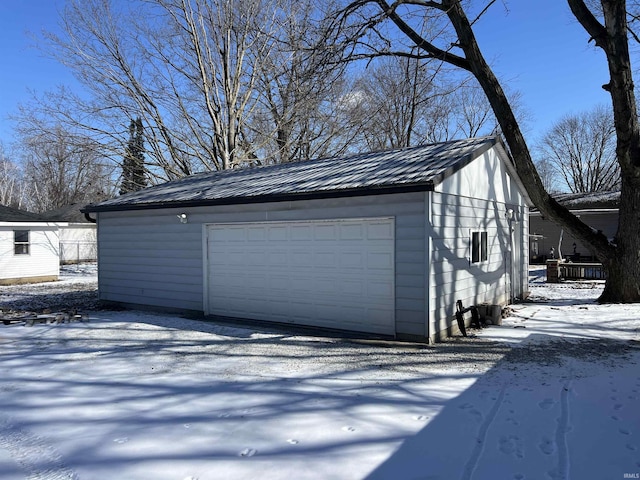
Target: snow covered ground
x,y
553,393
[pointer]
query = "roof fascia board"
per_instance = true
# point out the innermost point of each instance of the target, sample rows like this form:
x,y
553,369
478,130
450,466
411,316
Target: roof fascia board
x,y
327,194
23,224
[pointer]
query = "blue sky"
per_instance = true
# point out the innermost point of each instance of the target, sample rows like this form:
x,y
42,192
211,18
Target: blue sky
x,y
536,48
23,66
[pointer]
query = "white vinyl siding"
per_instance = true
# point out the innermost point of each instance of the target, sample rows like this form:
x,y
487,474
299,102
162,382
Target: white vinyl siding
x,y
475,200
454,274
38,259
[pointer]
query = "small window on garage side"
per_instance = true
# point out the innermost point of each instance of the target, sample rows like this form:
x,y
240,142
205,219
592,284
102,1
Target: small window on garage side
x,y
479,247
21,242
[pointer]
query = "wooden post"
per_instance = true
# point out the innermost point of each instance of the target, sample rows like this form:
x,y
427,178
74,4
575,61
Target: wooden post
x,y
553,271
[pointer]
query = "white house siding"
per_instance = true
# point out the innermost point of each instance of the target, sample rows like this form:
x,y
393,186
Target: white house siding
x,y
148,257
78,242
477,199
40,264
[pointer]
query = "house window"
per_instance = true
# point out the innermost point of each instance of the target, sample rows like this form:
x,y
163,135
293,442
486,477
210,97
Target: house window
x,y
478,247
21,242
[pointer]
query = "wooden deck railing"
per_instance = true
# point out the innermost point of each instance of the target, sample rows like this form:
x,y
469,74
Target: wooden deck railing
x,y
582,271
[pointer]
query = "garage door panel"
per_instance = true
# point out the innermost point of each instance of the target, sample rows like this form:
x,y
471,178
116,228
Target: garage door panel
x,y
301,233
334,274
351,231
256,258
355,288
325,232
256,234
380,290
300,258
352,259
380,260
378,317
324,258
380,231
277,233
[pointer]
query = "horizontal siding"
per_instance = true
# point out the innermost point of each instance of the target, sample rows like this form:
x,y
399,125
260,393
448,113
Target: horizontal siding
x,y
156,298
182,252
176,267
487,177
42,260
150,258
452,275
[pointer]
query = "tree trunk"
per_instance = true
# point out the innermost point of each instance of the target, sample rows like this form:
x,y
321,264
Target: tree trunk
x,y
623,263
621,258
623,266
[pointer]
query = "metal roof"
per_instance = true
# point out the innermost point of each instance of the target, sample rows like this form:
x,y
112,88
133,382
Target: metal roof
x,y
408,169
588,201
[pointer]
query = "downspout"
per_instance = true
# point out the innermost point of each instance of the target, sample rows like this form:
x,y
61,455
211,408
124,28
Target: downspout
x,y
88,217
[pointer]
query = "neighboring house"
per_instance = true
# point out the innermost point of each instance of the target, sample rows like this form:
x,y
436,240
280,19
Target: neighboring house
x,y
78,242
380,242
598,210
28,248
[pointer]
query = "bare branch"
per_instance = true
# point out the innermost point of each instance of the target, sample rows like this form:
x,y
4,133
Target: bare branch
x,y
418,40
589,22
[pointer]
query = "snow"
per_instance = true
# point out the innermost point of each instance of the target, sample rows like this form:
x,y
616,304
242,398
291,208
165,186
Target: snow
x,y
552,393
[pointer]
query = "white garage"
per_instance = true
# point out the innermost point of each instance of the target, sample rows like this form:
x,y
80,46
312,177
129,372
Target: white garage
x,y
331,273
384,243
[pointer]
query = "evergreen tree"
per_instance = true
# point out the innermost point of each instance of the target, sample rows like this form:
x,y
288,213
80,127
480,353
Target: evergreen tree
x,y
133,170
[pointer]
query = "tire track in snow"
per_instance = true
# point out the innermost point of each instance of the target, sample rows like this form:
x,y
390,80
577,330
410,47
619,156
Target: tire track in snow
x,y
38,459
472,463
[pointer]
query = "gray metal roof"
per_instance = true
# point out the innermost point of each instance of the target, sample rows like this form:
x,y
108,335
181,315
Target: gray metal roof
x,y
407,169
588,201
8,214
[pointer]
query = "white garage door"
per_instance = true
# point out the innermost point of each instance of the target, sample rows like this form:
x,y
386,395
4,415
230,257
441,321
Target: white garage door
x,y
334,274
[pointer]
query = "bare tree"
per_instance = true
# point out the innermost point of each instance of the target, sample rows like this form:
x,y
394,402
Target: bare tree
x,y
218,84
187,67
610,32
581,150
62,169
474,113
392,101
404,101
548,175
298,90
11,182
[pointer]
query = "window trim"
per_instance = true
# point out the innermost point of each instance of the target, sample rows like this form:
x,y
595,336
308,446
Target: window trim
x,y
20,246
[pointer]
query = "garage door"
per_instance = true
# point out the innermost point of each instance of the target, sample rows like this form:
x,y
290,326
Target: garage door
x,y
332,274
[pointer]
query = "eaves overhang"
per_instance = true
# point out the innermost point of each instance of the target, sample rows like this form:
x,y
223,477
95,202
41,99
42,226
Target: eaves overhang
x,y
247,199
